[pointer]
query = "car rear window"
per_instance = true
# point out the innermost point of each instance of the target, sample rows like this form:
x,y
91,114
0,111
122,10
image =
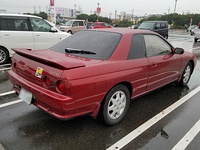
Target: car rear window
x,y
147,26
102,43
94,24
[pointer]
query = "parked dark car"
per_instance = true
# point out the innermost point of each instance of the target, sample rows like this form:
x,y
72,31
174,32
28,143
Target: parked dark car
x,y
98,72
161,27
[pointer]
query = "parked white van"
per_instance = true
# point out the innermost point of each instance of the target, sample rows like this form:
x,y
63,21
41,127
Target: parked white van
x,y
26,31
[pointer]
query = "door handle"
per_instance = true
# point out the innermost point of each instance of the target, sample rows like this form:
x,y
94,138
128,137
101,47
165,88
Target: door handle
x,y
154,65
7,34
37,35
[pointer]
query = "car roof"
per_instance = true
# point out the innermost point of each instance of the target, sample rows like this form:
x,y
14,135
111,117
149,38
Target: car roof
x,y
19,15
156,21
75,20
126,31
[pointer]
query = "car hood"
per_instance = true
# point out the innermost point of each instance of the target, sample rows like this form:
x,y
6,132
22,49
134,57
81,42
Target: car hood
x,y
60,60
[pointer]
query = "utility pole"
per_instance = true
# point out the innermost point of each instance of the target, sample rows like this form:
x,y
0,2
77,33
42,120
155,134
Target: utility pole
x,y
98,12
34,10
175,6
132,15
75,10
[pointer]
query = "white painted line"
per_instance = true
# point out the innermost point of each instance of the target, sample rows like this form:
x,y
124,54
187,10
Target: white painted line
x,y
190,135
7,93
135,133
10,103
1,147
5,69
194,48
5,65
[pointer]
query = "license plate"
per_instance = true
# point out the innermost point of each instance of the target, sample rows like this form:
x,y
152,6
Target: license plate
x,y
25,95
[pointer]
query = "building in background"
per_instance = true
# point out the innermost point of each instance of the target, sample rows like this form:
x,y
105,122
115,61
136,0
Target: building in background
x,y
66,13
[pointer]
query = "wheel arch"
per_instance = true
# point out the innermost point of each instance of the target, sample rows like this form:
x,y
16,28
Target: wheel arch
x,y
98,108
192,62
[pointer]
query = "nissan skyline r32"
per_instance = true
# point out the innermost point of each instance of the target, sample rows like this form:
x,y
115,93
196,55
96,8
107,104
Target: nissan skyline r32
x,y
98,72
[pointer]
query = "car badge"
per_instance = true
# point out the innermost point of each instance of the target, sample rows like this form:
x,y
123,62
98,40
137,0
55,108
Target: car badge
x,y
39,72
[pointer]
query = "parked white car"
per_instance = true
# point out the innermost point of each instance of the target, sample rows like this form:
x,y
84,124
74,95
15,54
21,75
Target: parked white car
x,y
26,31
196,34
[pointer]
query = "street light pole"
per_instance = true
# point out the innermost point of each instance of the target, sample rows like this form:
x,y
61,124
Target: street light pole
x,y
98,12
175,6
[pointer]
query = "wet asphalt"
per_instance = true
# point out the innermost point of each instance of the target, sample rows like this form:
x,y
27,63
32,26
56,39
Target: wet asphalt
x,y
25,127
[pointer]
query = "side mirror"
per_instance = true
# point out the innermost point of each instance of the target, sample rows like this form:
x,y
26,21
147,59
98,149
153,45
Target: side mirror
x,y
53,29
178,50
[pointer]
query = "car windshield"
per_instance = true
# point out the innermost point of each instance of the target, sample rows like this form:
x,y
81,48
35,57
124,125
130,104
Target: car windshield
x,y
97,44
68,23
147,25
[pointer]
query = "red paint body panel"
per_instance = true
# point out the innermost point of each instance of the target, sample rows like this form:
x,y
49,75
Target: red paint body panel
x,y
87,81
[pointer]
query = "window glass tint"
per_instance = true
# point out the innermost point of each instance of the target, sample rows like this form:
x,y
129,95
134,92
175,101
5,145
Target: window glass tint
x,y
156,46
137,49
21,24
163,25
157,25
100,42
75,23
94,24
40,25
81,23
3,24
14,24
147,25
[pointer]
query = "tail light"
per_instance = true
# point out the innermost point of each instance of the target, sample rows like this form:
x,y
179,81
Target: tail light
x,y
60,86
47,81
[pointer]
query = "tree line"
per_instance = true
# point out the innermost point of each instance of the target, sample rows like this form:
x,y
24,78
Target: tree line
x,y
179,21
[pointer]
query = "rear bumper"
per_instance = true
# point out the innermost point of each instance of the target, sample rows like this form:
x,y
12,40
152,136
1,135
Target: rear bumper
x,y
60,106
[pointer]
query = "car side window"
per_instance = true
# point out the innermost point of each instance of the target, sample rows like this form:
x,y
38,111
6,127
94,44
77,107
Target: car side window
x,y
137,48
155,45
81,23
75,24
14,24
157,26
163,25
40,25
21,24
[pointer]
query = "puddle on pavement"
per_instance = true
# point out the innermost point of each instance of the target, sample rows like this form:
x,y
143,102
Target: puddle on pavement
x,y
3,76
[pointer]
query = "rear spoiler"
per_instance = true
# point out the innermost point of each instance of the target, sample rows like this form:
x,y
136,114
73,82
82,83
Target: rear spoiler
x,y
28,53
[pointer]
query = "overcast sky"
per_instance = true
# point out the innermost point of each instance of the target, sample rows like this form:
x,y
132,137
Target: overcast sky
x,y
108,7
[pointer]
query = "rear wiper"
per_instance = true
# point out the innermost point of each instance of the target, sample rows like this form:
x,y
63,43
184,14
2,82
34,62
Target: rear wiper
x,y
78,51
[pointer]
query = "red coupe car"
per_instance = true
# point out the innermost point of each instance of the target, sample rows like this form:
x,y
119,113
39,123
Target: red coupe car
x,y
98,76
100,25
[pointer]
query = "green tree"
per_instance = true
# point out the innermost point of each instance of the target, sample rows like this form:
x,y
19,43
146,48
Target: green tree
x,y
82,16
41,14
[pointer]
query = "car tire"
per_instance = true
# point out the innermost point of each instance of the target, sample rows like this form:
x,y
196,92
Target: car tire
x,y
70,32
115,105
186,74
195,40
4,55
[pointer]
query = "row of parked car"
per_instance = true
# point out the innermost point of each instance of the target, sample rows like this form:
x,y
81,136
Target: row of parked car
x,y
39,33
195,31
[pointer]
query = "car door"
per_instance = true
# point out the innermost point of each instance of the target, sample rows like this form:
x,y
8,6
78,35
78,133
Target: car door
x,y
138,65
15,33
164,65
42,34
